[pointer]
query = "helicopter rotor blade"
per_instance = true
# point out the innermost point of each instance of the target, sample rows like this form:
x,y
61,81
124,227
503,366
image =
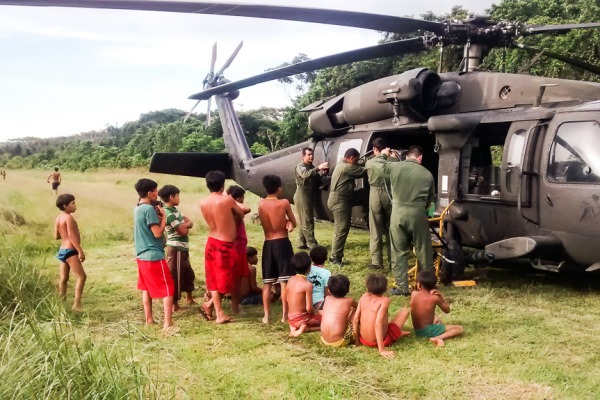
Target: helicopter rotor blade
x,y
397,47
569,60
302,14
208,112
230,59
191,111
533,30
213,59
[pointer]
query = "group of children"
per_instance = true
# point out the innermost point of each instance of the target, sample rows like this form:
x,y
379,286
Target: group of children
x,y
312,299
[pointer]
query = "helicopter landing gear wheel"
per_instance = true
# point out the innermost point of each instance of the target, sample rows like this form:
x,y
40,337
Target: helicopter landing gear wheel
x,y
453,263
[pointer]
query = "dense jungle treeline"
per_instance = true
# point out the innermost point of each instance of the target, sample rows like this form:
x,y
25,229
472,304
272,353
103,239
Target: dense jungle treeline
x,y
269,129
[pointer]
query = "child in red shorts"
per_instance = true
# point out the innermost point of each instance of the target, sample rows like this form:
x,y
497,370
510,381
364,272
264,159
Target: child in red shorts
x,y
371,318
154,277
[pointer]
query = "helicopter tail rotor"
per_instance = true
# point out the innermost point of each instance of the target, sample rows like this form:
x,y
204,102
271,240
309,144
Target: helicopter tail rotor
x,y
214,78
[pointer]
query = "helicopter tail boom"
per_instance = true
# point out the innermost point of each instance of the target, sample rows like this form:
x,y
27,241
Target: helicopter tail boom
x,y
191,164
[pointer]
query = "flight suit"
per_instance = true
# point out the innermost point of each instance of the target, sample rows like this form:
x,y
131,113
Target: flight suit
x,y
340,203
413,189
306,176
380,208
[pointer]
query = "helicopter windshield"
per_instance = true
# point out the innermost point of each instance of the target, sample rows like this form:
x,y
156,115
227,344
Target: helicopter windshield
x,y
575,153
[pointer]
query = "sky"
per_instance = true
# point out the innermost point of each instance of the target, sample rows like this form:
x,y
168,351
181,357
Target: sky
x,y
66,71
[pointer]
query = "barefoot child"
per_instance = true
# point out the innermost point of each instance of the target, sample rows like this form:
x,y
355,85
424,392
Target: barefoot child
x,y
222,215
70,254
422,309
277,220
177,229
319,276
154,278
338,312
371,318
241,242
251,293
299,298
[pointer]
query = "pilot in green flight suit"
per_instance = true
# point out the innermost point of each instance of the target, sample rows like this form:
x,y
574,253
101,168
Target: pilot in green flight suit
x,y
340,201
380,204
413,189
306,176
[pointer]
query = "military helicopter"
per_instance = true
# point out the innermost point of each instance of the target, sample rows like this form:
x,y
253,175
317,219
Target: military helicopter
x,y
541,203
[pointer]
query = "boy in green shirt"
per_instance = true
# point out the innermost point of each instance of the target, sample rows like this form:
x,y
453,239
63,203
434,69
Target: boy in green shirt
x,y
177,229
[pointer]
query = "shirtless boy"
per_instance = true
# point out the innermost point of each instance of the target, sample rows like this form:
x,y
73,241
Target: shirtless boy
x,y
422,309
241,242
70,254
222,215
277,220
250,292
338,313
56,180
371,324
299,298
154,278
177,229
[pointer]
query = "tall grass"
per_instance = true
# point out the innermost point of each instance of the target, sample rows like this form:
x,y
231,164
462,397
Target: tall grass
x,y
42,356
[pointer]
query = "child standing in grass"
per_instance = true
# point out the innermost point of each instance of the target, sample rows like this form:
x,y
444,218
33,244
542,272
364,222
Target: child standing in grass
x,y
319,276
241,242
177,229
371,318
299,298
422,308
70,254
277,219
338,312
154,277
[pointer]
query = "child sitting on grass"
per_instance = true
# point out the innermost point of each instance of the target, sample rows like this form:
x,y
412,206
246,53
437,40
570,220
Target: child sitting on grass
x,y
422,307
338,312
318,276
251,293
371,318
299,298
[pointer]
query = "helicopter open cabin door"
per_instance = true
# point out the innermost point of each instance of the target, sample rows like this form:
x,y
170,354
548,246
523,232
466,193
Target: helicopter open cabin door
x,y
517,163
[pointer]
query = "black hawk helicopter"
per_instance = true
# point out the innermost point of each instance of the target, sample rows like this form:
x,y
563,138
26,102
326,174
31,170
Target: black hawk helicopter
x,y
542,203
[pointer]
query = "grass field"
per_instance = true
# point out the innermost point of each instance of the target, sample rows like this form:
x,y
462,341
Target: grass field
x,y
527,335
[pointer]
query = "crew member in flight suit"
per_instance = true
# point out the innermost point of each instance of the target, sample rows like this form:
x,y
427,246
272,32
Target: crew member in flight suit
x,y
340,201
413,189
307,181
380,204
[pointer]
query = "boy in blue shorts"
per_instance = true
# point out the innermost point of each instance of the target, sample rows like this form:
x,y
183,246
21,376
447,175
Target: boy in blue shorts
x,y
318,276
177,229
71,254
154,277
422,309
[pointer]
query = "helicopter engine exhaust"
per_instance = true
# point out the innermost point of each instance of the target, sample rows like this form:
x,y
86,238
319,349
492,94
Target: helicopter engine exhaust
x,y
416,95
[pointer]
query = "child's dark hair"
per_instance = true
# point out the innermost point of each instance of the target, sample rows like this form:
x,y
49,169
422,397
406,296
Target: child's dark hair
x,y
427,279
318,254
271,183
63,200
144,186
236,191
167,191
301,262
251,252
376,284
215,181
339,285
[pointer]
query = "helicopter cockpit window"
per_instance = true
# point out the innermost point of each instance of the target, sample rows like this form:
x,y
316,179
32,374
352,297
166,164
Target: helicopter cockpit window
x,y
575,153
